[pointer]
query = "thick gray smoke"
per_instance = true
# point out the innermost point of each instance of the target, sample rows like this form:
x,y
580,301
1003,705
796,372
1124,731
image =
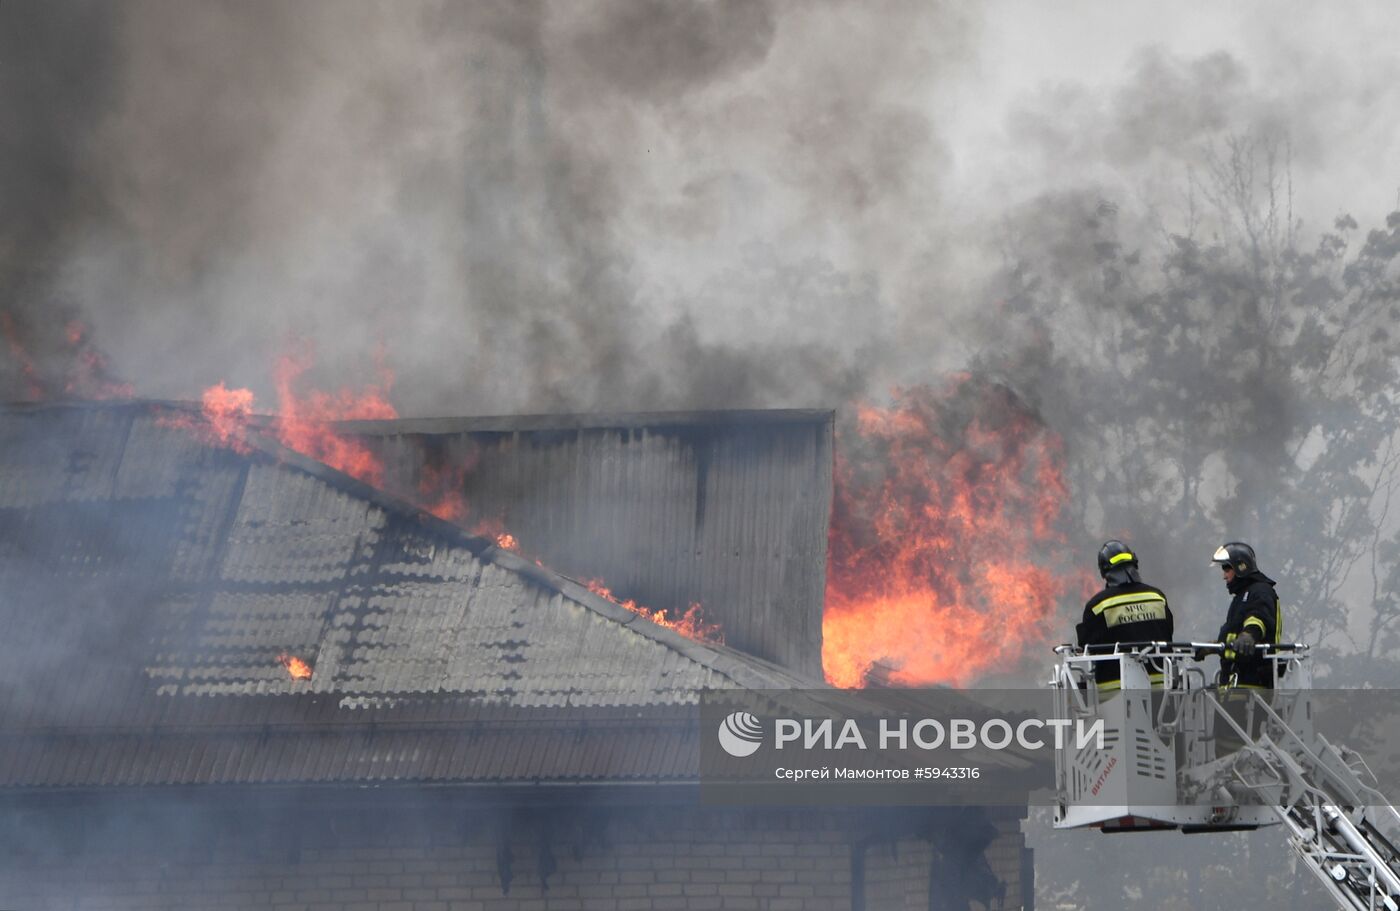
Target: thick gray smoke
x,y
639,205
636,204
605,205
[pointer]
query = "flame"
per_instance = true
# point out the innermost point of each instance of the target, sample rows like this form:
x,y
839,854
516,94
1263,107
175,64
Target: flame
x,y
227,412
495,529
303,421
303,424
298,668
223,420
690,624
944,508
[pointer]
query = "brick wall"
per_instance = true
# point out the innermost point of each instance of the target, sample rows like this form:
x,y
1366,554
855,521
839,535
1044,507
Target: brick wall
x,y
459,858
913,874
898,875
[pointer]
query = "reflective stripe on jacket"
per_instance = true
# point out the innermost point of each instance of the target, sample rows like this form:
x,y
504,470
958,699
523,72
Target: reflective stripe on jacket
x,y
1131,612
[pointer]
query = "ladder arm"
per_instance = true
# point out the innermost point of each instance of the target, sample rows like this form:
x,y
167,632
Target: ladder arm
x,y
1335,819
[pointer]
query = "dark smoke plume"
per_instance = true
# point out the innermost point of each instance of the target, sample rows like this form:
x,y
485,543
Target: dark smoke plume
x,y
53,91
638,205
536,207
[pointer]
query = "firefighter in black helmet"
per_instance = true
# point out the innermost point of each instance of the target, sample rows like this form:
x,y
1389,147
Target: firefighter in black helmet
x,y
1127,610
1254,617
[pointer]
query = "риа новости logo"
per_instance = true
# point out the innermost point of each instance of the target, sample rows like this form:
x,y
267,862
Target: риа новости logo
x,y
741,734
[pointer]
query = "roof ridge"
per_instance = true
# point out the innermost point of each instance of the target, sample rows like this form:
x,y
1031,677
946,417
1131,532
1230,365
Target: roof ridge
x,y
484,423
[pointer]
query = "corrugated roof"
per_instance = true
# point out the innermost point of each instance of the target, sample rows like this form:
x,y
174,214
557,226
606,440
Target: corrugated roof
x,y
727,509
149,584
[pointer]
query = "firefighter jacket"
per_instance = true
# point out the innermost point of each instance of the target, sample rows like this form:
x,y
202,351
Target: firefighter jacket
x,y
1255,608
1128,611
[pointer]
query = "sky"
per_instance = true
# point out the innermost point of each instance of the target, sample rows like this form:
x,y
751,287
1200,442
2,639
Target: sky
x,y
1317,70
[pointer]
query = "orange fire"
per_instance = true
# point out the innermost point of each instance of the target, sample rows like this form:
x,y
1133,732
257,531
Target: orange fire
x,y
298,668
303,421
495,529
227,412
690,624
303,424
943,522
224,418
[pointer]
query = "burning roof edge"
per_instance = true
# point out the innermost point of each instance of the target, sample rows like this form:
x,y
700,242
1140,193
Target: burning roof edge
x,y
744,670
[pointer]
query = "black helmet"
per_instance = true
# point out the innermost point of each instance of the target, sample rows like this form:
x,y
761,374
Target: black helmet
x,y
1115,554
1237,554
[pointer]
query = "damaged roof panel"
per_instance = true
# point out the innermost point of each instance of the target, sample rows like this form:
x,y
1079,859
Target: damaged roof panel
x,y
725,509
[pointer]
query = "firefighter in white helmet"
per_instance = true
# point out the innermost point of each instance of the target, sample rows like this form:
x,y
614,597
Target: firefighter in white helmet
x,y
1254,617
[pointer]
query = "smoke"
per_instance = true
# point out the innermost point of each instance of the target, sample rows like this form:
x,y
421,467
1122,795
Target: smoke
x,y
656,50
535,207
51,65
51,92
602,205
644,205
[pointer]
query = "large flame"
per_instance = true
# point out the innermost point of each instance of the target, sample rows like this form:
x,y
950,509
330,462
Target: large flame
x,y
303,422
943,535
226,412
225,416
944,506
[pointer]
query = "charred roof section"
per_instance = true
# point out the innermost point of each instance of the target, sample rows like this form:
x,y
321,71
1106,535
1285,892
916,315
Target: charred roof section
x,y
726,509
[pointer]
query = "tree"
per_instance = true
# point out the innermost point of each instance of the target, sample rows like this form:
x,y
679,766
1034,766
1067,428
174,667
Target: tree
x,y
1223,382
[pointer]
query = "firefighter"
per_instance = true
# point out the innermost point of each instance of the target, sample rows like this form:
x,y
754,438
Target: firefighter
x,y
1254,617
1127,610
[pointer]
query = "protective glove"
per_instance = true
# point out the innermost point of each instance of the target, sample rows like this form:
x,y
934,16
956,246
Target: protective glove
x,y
1243,644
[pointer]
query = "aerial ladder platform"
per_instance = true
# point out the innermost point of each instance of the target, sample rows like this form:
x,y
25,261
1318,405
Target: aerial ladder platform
x,y
1181,750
